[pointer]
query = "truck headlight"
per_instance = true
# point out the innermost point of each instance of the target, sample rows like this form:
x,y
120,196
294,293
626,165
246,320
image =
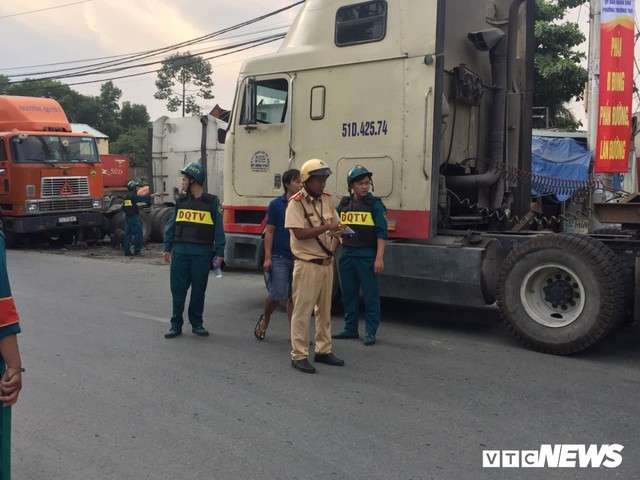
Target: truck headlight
x,y
31,206
97,203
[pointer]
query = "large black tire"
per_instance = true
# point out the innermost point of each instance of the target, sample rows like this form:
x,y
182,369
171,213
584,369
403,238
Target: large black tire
x,y
560,293
152,215
146,226
160,220
625,272
117,222
61,238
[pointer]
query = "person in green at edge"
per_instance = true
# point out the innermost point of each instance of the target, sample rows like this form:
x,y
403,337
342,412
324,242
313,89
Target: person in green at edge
x,y
362,254
193,233
132,215
10,363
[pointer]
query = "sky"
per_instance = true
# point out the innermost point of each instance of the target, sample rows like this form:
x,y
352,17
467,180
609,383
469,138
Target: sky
x,y
44,32
72,30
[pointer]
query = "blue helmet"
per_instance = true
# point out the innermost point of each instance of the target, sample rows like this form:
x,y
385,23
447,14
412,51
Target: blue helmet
x,y
131,186
195,171
355,173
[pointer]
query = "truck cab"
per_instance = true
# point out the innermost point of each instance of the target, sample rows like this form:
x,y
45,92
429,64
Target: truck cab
x,y
50,178
435,98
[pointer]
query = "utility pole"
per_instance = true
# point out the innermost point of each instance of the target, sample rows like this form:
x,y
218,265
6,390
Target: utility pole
x,y
597,196
184,91
594,73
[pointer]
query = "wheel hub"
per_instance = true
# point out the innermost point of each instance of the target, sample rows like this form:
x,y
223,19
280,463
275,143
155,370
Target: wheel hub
x,y
552,295
561,291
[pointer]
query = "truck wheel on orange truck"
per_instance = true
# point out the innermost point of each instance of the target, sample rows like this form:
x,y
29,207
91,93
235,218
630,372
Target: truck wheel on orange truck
x,y
435,97
50,178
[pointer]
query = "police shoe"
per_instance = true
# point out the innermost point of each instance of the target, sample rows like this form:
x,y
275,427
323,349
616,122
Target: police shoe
x,y
200,331
345,334
172,333
303,365
329,359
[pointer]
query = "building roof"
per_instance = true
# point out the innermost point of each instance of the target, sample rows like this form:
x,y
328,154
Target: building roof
x,y
578,134
84,128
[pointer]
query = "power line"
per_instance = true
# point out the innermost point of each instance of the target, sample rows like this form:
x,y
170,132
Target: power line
x,y
127,58
108,57
43,9
115,69
119,60
269,40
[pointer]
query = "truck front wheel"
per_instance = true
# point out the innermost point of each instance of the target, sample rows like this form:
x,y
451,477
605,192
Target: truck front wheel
x,y
558,293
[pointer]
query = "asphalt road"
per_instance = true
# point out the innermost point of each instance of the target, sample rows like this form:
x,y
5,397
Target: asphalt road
x,y
107,397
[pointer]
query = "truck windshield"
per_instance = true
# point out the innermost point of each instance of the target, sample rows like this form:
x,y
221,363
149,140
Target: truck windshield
x,y
54,148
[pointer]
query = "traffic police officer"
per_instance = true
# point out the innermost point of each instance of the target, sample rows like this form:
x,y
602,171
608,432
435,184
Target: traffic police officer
x,y
362,256
132,215
312,219
193,234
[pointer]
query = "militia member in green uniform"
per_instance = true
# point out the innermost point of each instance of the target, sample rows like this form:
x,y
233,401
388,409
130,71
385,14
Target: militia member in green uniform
x,y
312,219
194,233
133,225
362,254
10,363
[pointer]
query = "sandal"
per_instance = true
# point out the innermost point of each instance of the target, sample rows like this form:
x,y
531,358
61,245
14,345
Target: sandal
x,y
258,331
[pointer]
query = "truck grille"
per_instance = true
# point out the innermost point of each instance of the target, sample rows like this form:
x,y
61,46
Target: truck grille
x,y
65,187
65,205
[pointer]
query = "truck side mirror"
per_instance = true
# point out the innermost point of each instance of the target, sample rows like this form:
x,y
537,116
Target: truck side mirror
x,y
249,114
485,40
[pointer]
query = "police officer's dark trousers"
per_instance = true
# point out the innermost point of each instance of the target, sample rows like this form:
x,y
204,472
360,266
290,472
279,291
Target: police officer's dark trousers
x,y
356,272
133,227
188,271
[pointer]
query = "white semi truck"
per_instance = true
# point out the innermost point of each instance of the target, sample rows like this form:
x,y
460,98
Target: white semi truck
x,y
176,142
435,98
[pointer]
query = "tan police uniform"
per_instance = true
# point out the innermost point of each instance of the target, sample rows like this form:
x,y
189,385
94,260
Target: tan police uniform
x,y
312,273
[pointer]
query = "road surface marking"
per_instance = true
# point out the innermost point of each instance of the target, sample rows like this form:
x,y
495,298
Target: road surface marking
x,y
147,316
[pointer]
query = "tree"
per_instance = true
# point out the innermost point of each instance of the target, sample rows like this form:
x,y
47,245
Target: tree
x,y
4,81
38,88
107,118
559,76
186,70
134,144
133,116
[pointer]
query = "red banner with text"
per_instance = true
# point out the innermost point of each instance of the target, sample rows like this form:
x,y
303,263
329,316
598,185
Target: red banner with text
x,y
616,86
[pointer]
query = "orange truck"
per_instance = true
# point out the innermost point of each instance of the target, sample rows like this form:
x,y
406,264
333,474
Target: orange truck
x,y
50,178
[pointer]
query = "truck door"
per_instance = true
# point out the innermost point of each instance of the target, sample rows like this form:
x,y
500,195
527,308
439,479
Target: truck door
x,y
261,136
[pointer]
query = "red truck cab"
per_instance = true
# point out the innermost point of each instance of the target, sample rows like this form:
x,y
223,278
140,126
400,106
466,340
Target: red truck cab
x,y
50,178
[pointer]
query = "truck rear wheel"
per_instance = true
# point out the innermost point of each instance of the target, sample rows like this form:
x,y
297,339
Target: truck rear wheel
x,y
560,293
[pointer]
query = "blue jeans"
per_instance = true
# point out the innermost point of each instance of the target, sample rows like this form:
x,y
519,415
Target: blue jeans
x,y
280,277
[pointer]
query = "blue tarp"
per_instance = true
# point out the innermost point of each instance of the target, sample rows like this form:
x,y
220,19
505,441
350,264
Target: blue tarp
x,y
560,166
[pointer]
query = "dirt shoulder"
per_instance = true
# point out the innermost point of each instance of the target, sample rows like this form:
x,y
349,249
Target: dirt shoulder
x,y
151,253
